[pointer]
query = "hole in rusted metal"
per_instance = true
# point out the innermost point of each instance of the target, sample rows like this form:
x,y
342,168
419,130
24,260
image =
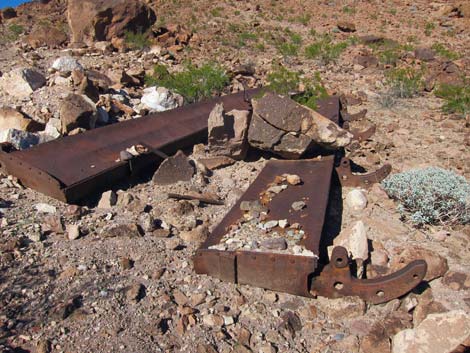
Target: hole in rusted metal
x,y
380,293
415,276
338,285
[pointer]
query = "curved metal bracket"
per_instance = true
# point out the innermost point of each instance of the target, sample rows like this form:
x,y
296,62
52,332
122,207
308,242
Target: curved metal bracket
x,y
359,135
347,177
336,281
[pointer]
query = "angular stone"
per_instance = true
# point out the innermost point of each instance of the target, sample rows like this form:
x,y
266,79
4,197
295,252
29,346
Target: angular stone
x,y
12,119
19,139
456,280
228,132
135,292
77,111
282,126
346,26
66,64
73,231
106,20
108,199
274,244
174,169
354,239
196,235
437,265
121,230
213,163
160,99
424,54
356,200
20,83
438,333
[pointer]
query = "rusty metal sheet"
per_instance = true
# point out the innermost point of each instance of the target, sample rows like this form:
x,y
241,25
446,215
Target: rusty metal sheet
x,y
81,164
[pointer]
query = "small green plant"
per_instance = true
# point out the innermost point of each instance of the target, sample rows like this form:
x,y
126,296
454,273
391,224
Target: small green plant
x,y
349,10
442,50
431,196
194,83
216,12
428,28
404,82
244,38
286,82
457,98
16,29
137,40
325,50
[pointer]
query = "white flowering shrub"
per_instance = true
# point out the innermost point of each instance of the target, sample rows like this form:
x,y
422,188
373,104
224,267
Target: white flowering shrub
x,y
431,196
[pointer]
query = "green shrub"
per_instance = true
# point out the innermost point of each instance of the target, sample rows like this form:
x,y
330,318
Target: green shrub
x,y
194,83
457,98
291,46
431,196
404,82
325,50
286,82
137,40
428,28
441,50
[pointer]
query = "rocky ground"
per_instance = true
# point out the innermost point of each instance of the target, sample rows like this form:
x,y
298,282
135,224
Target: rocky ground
x,y
115,274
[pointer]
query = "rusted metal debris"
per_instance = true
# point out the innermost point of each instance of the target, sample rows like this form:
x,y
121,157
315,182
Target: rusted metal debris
x,y
293,273
71,168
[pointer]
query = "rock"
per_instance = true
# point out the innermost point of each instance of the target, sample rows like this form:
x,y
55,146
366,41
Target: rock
x,y
147,222
356,200
77,111
456,280
12,119
20,83
298,205
46,36
424,54
213,163
438,333
66,64
282,126
274,244
342,308
174,169
135,293
19,139
108,199
464,9
346,26
106,20
160,99
45,208
43,346
366,61
130,230
126,263
253,206
213,320
8,13
437,265
228,132
293,179
73,231
375,341
379,257
354,239
196,235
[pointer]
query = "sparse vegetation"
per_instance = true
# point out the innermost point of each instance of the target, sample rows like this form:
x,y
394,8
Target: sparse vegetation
x,y
290,46
457,98
404,82
431,196
194,83
285,82
428,28
325,49
137,40
443,51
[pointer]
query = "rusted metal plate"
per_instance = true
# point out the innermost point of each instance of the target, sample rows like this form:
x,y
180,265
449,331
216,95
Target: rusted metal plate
x,y
314,191
336,281
87,162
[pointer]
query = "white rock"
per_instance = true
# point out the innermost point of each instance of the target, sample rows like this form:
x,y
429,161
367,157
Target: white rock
x,y
438,333
354,239
66,64
45,208
73,231
160,99
108,199
20,139
356,200
20,83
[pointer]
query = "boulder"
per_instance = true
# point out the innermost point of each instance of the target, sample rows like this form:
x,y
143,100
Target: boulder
x,y
20,83
437,265
284,127
77,111
228,132
46,36
438,333
160,99
66,64
104,20
9,13
12,119
19,139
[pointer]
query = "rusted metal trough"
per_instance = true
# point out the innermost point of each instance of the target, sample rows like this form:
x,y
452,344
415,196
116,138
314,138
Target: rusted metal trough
x,y
74,167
